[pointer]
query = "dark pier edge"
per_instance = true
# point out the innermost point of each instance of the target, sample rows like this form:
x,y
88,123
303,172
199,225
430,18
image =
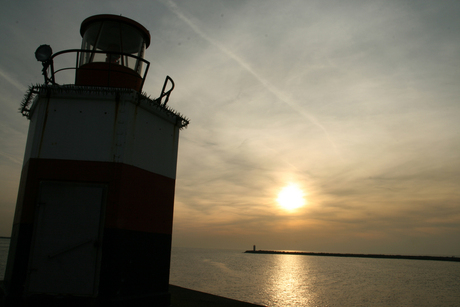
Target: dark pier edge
x,y
183,297
435,258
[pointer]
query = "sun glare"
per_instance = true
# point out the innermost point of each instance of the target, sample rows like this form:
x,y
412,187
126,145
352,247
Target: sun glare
x,y
291,197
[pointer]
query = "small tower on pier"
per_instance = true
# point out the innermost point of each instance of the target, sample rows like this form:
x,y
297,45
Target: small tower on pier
x,y
94,214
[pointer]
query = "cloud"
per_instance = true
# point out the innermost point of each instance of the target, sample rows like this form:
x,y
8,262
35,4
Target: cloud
x,y
285,98
12,81
357,102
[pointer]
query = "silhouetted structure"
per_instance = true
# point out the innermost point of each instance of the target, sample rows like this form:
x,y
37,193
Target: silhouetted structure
x,y
93,219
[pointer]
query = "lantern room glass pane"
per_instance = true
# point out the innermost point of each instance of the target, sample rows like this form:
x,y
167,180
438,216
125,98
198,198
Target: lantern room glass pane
x,y
113,37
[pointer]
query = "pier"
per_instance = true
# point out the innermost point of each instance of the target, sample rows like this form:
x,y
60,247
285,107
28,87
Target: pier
x,y
410,257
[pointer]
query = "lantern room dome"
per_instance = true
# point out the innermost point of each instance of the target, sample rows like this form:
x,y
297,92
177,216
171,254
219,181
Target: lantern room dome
x,y
90,21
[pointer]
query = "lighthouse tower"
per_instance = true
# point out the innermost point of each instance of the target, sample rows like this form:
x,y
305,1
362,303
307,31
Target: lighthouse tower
x,y
93,219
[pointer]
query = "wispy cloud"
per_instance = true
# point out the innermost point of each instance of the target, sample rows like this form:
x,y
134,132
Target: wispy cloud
x,y
12,81
285,98
12,158
357,102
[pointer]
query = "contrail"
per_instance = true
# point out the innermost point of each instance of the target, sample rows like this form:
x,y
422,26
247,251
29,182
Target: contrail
x,y
268,86
10,157
13,82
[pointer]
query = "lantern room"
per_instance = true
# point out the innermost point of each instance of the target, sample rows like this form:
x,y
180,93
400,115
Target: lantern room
x,y
112,52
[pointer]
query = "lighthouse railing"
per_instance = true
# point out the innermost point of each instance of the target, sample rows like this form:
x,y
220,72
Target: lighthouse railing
x,y
49,71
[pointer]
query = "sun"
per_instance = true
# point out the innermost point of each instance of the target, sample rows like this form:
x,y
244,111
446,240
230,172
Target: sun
x,y
291,197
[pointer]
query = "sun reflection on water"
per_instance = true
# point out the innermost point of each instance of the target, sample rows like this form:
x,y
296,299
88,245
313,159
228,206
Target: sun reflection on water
x,y
288,284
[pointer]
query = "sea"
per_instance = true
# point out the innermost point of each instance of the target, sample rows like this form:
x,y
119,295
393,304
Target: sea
x,y
313,281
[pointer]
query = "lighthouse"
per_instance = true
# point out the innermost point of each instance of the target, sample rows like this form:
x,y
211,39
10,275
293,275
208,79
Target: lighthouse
x,y
94,213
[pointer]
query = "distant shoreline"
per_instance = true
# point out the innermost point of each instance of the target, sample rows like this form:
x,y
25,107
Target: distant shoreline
x,y
435,258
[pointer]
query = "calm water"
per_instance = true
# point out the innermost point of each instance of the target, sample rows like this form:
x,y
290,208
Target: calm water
x,y
296,280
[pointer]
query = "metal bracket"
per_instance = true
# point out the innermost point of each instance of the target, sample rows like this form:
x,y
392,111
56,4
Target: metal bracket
x,y
165,94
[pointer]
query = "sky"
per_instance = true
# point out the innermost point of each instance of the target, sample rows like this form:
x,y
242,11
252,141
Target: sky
x,y
355,103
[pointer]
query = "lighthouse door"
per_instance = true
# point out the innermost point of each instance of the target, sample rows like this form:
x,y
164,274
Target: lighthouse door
x,y
65,251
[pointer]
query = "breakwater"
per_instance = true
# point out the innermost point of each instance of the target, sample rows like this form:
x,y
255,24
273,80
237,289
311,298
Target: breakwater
x,y
435,258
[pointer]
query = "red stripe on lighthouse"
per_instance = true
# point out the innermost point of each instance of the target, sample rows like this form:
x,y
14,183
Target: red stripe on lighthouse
x,y
137,199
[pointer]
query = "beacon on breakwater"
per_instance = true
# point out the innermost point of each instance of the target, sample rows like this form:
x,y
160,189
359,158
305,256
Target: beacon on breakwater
x,y
93,220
